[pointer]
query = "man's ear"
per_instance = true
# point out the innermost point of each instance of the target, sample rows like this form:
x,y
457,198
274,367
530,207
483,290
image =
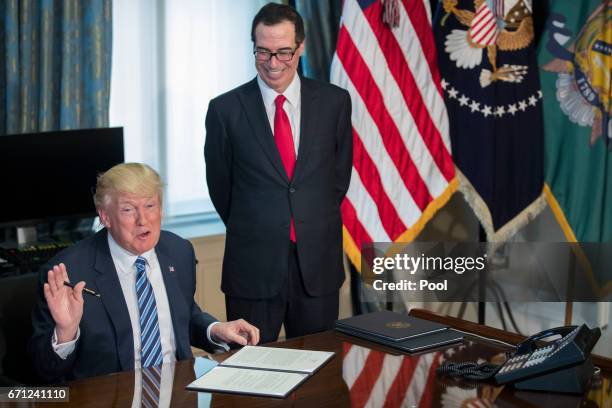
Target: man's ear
x,y
104,218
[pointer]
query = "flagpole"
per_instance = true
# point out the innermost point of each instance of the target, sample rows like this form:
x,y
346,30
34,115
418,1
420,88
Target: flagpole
x,y
482,280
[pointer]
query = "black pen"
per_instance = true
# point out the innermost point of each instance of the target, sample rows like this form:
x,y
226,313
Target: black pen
x,y
91,292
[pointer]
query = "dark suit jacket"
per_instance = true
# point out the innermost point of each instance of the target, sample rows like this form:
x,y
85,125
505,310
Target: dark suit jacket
x,y
106,343
250,189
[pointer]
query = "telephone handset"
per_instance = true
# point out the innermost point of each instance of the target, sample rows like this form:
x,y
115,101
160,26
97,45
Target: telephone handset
x,y
563,365
529,344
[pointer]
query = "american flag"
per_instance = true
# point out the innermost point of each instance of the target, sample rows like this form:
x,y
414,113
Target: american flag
x,y
403,171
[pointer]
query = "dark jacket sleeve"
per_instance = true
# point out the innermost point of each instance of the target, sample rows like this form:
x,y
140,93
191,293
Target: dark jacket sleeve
x,y
218,158
344,149
199,324
48,365
199,320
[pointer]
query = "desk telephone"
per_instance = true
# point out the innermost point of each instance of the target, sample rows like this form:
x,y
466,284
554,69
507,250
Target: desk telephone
x,y
563,365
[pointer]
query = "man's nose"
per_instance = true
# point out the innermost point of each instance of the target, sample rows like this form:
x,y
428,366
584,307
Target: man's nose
x,y
274,62
140,216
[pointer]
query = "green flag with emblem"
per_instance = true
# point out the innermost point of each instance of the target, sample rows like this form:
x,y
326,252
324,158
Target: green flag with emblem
x,y
575,58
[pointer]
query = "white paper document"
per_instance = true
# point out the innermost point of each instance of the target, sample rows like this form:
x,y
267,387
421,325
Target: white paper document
x,y
241,381
266,371
275,358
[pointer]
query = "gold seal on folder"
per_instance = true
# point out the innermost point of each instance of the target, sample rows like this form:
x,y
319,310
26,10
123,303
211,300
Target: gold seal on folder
x,y
397,325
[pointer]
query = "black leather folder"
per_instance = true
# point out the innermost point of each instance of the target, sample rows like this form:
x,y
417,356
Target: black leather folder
x,y
390,326
399,331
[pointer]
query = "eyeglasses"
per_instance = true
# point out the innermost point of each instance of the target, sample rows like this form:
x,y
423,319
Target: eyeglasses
x,y
281,55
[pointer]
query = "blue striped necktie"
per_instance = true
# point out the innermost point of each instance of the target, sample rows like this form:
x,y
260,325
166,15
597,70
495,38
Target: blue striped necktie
x,y
150,343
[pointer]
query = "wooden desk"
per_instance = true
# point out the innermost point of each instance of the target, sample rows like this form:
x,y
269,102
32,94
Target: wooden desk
x,y
375,374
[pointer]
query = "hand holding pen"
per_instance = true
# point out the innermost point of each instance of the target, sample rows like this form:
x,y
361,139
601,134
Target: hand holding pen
x,y
65,303
86,290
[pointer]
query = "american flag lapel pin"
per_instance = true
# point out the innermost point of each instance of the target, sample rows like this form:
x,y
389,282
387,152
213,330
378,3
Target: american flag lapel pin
x,y
171,268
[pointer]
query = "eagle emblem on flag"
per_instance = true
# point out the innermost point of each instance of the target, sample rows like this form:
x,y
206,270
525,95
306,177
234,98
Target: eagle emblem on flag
x,y
505,25
490,78
583,71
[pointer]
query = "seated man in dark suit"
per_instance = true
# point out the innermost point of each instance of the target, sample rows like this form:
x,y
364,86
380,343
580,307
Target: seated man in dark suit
x,y
145,313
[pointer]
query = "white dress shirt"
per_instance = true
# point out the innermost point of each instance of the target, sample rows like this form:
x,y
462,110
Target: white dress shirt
x,y
292,106
126,271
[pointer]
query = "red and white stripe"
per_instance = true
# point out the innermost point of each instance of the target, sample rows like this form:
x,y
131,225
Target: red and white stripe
x,y
378,379
484,26
402,156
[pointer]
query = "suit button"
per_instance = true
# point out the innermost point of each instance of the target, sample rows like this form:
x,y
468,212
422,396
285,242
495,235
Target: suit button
x,y
292,190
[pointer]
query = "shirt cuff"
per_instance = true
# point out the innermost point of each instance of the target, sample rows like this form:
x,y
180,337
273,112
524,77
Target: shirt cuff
x,y
220,346
63,350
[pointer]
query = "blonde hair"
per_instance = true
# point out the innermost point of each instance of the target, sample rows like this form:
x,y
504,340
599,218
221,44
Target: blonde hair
x,y
132,178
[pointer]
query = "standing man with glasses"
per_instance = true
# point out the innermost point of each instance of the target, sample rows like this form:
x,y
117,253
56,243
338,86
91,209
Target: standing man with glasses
x,y
278,163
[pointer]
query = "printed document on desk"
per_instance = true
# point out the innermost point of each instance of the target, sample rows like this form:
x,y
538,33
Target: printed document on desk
x,y
248,381
275,358
263,371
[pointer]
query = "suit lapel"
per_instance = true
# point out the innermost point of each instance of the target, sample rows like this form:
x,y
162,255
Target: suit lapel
x,y
253,106
112,298
308,117
178,311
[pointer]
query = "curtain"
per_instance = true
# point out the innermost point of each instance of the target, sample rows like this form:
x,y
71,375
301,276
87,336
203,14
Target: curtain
x,y
55,63
321,21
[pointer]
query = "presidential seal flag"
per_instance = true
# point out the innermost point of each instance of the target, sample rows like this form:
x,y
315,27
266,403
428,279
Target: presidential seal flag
x,y
492,91
576,61
402,165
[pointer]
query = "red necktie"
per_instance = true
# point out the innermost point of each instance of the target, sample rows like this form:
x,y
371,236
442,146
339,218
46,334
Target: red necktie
x,y
284,143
